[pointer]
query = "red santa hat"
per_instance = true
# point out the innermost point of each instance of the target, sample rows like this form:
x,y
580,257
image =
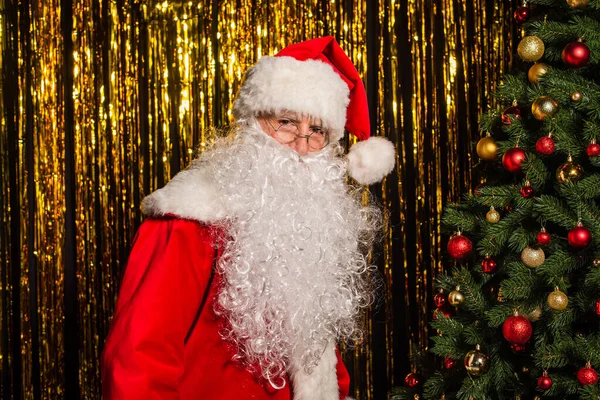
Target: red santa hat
x,y
317,78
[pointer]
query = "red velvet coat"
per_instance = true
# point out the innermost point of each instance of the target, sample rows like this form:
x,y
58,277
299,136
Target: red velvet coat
x,y
146,355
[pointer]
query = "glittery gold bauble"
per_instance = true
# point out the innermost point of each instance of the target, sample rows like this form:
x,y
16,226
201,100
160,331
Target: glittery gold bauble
x,y
533,257
536,397
531,48
596,262
456,298
492,216
544,107
537,71
487,149
569,172
535,315
576,96
557,300
578,3
476,362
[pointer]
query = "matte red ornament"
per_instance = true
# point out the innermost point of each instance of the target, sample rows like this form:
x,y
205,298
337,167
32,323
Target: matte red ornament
x,y
518,348
587,375
593,149
543,237
522,14
459,247
579,237
513,158
527,191
511,112
544,382
545,145
412,380
598,307
449,363
488,265
517,329
576,54
439,299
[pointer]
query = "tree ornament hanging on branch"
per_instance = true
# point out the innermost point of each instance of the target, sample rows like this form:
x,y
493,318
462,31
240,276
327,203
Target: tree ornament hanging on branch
x,y
578,3
544,382
593,149
412,380
587,375
459,246
557,300
456,298
439,299
537,71
527,190
522,14
544,107
569,172
543,238
576,54
492,216
511,113
517,329
476,362
535,315
449,363
531,48
488,265
576,96
545,145
597,307
487,149
579,237
513,158
518,348
533,257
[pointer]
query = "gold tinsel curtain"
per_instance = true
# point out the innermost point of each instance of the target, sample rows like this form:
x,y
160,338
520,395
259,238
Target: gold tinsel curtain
x,y
103,101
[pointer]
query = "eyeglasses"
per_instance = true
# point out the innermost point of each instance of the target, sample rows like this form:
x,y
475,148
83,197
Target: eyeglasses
x,y
287,131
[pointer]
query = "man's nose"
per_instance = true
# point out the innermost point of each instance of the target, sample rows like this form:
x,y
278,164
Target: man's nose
x,y
301,142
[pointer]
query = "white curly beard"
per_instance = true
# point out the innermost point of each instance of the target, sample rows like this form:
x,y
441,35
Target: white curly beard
x,y
294,264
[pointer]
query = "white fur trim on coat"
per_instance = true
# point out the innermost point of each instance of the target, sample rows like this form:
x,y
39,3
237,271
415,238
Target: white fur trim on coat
x,y
322,383
309,87
371,160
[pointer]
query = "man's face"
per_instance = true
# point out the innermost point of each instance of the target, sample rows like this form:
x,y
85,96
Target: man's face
x,y
304,134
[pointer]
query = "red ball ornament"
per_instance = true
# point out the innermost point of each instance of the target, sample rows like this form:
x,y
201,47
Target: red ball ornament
x,y
576,54
488,265
449,363
513,158
587,375
544,382
545,145
511,112
543,237
527,191
517,329
579,237
439,299
593,149
598,307
522,14
459,247
412,380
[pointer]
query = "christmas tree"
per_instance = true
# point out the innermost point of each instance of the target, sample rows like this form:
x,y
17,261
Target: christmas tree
x,y
518,315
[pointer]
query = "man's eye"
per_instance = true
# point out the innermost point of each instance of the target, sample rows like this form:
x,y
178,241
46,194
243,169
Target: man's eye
x,y
284,121
318,130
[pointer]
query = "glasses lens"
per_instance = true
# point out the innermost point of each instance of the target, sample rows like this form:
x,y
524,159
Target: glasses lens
x,y
285,130
318,140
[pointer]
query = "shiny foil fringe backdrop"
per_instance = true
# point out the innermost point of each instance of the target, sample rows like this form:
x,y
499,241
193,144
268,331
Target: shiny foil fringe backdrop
x,y
103,101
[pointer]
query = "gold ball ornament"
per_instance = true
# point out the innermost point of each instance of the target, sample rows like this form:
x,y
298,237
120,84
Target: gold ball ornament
x,y
544,107
455,297
578,3
492,216
476,363
533,257
576,96
557,300
569,172
487,149
535,315
537,71
596,262
531,48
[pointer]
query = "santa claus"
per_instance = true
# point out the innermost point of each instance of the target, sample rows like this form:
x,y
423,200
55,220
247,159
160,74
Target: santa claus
x,y
253,262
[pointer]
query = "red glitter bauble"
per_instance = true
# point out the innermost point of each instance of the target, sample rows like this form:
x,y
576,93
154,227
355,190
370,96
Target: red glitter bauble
x,y
439,300
576,54
459,247
522,14
513,158
543,238
545,145
527,191
587,376
518,348
511,112
488,265
598,307
449,363
593,150
579,237
544,382
412,380
517,329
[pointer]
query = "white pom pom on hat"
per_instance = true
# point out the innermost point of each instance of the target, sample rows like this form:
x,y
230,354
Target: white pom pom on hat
x,y
317,78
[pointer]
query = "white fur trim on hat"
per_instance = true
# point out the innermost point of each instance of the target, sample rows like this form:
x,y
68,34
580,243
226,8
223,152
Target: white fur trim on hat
x,y
309,87
369,161
321,383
